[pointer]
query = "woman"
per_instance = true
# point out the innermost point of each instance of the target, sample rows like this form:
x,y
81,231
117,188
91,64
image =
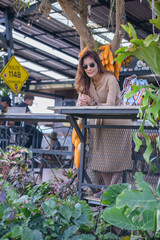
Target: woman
x,y
110,149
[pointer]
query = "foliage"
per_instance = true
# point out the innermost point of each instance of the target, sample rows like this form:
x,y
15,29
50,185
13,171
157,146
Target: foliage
x,y
14,168
21,4
45,211
39,214
26,217
64,188
148,110
155,21
58,187
134,209
149,51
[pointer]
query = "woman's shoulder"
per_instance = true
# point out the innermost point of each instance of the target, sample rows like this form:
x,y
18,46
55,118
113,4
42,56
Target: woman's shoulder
x,y
109,77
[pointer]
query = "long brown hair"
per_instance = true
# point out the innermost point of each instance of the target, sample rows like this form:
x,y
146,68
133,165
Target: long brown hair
x,y
82,81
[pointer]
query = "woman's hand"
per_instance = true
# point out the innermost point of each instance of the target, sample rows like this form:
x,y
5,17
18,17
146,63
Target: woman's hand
x,y
84,100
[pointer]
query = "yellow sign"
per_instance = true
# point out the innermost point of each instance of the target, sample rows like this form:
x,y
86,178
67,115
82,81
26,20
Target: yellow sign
x,y
14,75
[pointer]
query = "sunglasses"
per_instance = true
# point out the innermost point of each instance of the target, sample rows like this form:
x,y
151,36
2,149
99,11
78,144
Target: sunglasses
x,y
91,65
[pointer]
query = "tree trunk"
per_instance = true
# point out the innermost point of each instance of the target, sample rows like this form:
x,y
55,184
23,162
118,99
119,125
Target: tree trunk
x,y
83,17
120,19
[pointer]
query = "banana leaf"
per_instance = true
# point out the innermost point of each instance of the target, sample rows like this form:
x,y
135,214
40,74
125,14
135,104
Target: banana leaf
x,y
156,22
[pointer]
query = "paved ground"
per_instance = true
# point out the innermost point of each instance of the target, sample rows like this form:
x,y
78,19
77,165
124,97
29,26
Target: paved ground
x,y
50,174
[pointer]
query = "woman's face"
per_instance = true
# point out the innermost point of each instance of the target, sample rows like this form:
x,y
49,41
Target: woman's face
x,y
90,67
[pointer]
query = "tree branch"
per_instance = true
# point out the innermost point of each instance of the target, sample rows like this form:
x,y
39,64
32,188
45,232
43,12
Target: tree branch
x,y
78,24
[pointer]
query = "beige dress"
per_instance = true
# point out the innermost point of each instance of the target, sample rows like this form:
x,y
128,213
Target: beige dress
x,y
109,149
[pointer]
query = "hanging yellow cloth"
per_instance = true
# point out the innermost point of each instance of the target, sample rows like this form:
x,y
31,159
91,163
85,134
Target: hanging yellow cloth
x,y
77,144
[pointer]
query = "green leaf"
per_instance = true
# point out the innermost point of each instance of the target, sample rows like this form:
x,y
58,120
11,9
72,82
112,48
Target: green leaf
x,y
66,212
158,220
125,28
30,206
122,50
37,218
156,7
137,141
151,38
26,212
150,55
49,206
110,194
86,210
156,22
37,235
82,221
26,234
110,236
148,150
22,199
132,48
132,30
146,99
77,211
70,231
134,199
120,58
158,142
135,89
83,237
153,96
116,216
154,168
143,198
155,109
138,42
140,114
6,213
153,87
11,195
16,232
141,184
7,236
150,118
